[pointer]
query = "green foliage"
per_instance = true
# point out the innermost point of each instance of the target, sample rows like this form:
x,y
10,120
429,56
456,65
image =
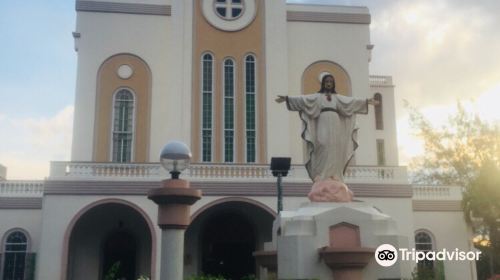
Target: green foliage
x,y
206,277
439,270
426,273
481,202
210,277
464,152
482,197
454,152
112,273
30,266
272,275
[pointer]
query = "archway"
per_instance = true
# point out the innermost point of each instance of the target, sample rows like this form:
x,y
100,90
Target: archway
x,y
120,250
224,234
228,241
106,234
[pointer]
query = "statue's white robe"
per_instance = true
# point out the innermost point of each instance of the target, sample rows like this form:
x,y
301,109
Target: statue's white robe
x,y
329,132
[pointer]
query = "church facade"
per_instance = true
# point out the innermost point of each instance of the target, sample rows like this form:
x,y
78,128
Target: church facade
x,y
206,72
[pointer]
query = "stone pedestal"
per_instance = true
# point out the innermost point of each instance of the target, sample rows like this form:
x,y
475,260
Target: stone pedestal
x,y
174,201
334,241
267,260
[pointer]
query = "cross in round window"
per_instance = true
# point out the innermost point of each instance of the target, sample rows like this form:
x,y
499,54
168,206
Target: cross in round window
x,y
229,9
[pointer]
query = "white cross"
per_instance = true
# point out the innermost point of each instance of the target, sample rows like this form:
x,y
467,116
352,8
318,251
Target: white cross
x,y
229,5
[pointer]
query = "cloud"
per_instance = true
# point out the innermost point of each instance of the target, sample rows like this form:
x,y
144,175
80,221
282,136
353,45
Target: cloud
x,y
484,105
28,144
438,51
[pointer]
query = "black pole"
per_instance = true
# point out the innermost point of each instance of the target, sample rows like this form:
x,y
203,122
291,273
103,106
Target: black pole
x,y
280,194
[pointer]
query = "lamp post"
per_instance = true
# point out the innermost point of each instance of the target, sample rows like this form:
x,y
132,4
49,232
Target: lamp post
x,y
174,199
280,167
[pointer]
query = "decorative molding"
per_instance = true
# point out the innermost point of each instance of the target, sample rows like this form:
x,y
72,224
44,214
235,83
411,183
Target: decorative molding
x,y
84,210
437,205
247,200
380,81
328,17
123,8
216,189
20,203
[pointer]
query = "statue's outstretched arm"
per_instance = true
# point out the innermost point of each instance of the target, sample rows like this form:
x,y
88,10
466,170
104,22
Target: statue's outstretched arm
x,y
280,99
373,101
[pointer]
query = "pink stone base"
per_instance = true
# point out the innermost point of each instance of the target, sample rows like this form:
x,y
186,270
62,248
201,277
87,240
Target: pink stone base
x,y
348,274
330,190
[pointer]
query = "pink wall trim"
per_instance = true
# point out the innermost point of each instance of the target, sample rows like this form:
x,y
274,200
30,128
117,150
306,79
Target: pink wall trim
x,y
233,199
81,212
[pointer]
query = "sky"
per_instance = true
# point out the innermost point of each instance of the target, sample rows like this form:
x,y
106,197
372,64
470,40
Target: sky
x,y
437,51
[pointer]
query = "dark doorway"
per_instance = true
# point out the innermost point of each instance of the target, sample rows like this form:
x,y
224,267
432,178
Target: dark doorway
x,y
120,248
228,240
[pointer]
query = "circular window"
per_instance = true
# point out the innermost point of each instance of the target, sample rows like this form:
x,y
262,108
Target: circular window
x,y
229,9
125,71
229,15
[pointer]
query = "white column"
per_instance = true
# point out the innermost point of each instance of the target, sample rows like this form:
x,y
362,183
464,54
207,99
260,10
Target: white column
x,y
172,254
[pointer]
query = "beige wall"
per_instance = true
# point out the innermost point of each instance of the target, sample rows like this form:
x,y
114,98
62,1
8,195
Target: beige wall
x,y
3,172
28,220
108,82
235,45
448,230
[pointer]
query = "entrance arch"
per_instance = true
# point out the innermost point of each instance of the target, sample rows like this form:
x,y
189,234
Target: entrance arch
x,y
224,234
107,232
120,248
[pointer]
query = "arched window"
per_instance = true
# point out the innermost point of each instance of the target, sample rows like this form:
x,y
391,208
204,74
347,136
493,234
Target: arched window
x,y
380,152
15,250
379,119
250,113
423,242
229,88
206,101
123,125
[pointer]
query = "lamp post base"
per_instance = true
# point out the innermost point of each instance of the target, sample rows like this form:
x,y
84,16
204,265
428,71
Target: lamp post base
x,y
174,200
172,254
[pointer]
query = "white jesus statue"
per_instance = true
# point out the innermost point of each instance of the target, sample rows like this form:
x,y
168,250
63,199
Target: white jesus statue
x,y
329,131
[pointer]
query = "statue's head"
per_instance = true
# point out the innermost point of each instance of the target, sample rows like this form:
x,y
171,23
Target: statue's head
x,y
327,84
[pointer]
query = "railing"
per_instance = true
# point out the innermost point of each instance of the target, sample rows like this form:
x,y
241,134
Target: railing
x,y
380,80
437,192
89,170
229,171
214,172
21,189
377,174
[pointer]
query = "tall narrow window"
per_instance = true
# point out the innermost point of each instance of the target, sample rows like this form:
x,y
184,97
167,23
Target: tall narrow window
x,y
250,86
16,246
380,152
379,119
228,110
206,122
123,125
423,242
